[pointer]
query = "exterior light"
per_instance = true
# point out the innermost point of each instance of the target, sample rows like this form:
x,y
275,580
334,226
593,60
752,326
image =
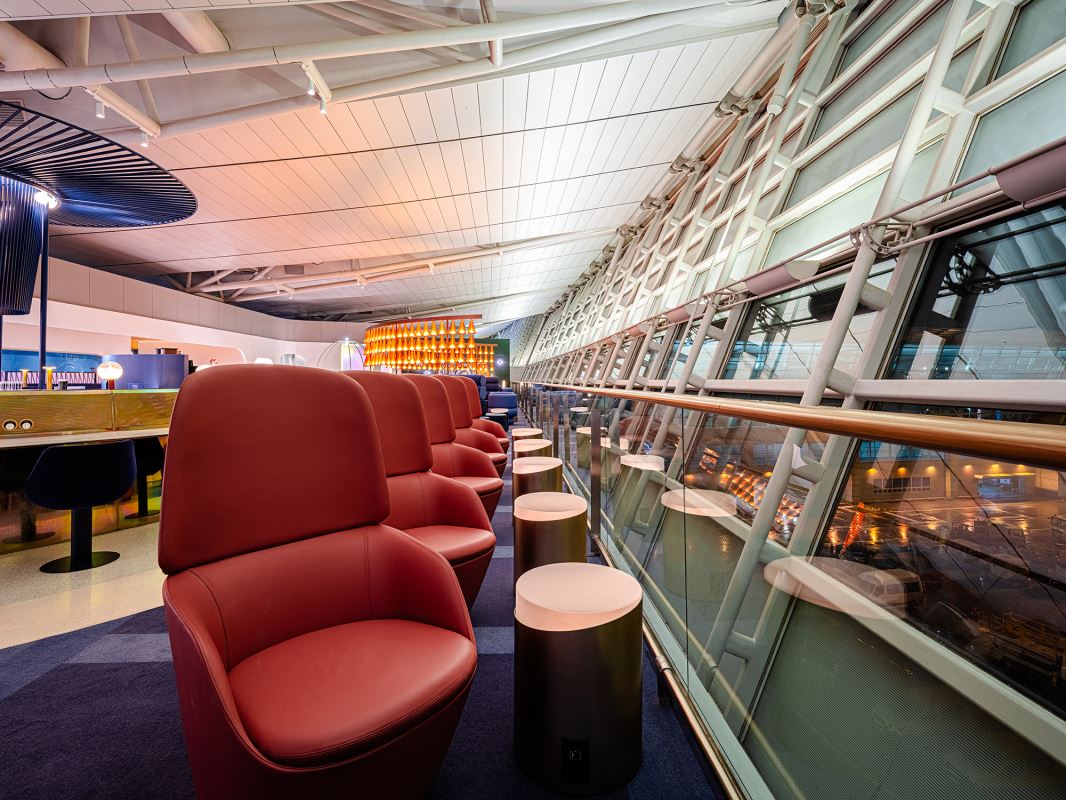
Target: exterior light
x,y
310,88
263,360
101,111
322,106
108,372
144,139
46,199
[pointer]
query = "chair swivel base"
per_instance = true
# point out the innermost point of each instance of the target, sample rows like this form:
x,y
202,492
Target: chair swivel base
x,y
67,563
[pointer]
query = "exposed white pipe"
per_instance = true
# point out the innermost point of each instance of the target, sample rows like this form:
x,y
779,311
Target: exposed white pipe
x,y
198,30
733,21
20,52
429,18
349,276
58,77
488,13
312,72
126,30
363,20
81,41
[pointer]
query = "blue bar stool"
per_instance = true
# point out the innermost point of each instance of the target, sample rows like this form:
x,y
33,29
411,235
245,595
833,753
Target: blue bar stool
x,y
78,477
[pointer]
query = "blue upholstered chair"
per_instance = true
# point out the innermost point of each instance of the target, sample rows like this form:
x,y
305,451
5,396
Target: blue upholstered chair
x,y
505,399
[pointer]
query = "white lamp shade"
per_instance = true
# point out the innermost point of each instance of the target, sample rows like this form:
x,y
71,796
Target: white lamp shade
x,y
109,371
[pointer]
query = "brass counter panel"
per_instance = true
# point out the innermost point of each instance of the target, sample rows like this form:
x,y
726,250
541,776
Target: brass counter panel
x,y
143,409
84,411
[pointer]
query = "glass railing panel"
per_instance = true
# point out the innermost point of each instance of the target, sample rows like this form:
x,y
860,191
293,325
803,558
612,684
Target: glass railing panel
x,y
972,552
932,564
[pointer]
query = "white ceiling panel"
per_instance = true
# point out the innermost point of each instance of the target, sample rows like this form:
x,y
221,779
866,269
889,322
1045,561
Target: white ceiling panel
x,y
532,152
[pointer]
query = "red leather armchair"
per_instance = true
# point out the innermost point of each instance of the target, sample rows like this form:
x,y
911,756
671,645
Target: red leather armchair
x,y
317,652
463,422
450,459
443,514
473,402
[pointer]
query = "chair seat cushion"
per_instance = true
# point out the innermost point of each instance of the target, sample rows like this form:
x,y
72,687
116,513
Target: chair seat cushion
x,y
481,485
455,543
332,693
498,458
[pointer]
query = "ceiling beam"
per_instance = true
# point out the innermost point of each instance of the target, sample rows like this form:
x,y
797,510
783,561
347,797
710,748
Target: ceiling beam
x,y
395,270
717,23
199,30
60,77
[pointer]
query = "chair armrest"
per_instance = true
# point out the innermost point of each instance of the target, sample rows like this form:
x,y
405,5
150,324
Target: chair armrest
x,y
456,503
473,462
410,581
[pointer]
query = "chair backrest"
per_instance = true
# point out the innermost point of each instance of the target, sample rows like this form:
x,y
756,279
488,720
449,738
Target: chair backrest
x,y
473,399
260,456
503,400
438,409
70,476
460,406
401,421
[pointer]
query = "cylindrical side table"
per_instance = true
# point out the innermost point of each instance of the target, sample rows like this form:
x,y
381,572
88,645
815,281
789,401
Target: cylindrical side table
x,y
577,722
549,528
518,434
536,474
532,447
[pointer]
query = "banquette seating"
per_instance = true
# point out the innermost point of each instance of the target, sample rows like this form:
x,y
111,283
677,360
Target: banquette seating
x,y
451,459
486,425
281,578
465,433
442,513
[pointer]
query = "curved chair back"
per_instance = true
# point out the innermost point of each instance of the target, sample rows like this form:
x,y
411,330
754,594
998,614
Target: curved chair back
x,y
260,456
473,399
401,421
71,476
457,401
437,408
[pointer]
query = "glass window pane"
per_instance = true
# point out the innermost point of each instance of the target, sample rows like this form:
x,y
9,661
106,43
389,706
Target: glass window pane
x,y
993,306
841,213
1039,25
782,335
1019,125
904,53
703,360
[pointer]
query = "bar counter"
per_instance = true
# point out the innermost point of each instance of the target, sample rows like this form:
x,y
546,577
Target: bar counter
x,y
31,421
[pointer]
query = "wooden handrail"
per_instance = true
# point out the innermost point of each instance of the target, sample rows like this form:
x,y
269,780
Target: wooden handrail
x,y
1014,442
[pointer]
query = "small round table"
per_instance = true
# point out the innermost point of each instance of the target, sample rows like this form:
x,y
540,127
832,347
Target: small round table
x,y
536,474
532,447
549,528
577,723
518,434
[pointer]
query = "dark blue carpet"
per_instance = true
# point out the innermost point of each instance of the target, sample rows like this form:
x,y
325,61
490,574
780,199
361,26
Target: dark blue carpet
x,y
94,714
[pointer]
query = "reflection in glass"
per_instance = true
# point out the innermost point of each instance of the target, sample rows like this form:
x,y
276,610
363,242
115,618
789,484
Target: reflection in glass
x,y
971,551
782,335
993,305
683,345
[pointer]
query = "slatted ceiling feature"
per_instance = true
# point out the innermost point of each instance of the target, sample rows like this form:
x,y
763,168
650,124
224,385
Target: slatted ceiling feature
x,y
553,150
